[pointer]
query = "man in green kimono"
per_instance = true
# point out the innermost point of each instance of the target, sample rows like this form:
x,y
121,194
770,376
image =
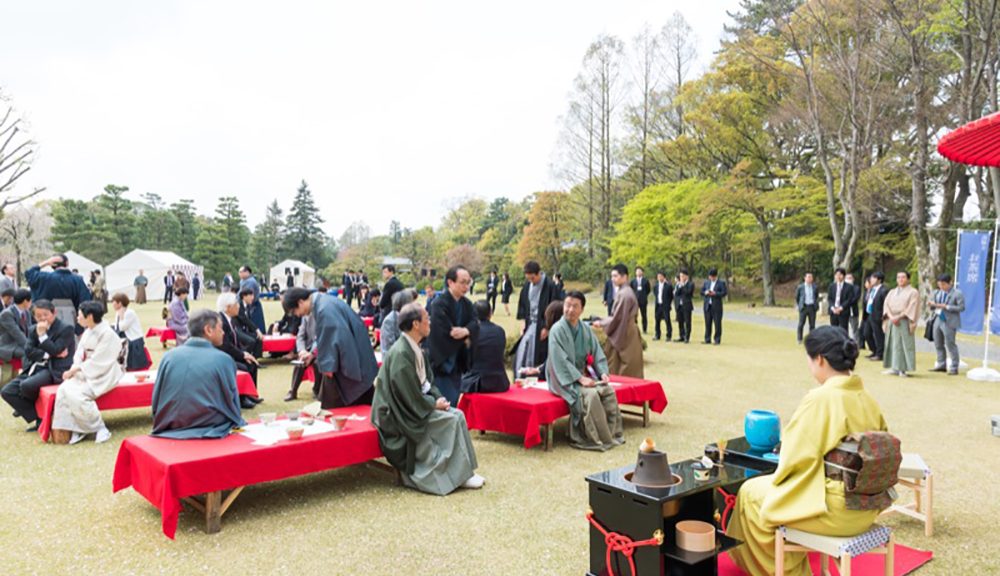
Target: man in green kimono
x,y
577,372
419,432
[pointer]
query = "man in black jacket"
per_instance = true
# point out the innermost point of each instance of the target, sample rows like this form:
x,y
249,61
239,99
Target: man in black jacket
x,y
714,292
874,305
235,342
487,372
663,299
391,286
640,285
683,305
251,338
840,298
454,327
806,302
536,294
610,291
48,355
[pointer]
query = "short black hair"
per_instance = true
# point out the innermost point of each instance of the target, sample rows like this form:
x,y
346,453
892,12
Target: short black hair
x,y
247,268
93,309
683,271
878,276
904,272
576,294
248,291
840,270
8,293
45,304
293,296
409,315
713,272
483,311
452,273
21,295
532,267
620,269
944,278
62,263
181,290
201,319
389,267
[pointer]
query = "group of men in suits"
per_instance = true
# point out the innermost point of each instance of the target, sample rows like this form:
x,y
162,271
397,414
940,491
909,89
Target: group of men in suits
x,y
678,296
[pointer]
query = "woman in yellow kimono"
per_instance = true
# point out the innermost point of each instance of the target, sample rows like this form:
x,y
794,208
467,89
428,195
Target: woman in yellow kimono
x,y
798,494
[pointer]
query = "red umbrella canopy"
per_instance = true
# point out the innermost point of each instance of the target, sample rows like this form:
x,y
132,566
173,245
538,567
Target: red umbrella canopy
x,y
977,143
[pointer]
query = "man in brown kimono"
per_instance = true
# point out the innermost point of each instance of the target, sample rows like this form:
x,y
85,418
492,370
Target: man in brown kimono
x,y
624,345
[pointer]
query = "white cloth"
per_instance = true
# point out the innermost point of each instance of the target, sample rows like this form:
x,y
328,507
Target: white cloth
x,y
129,324
99,372
425,386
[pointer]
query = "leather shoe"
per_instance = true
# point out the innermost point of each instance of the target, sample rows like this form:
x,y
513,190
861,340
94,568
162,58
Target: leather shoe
x,y
876,358
33,427
938,369
247,404
256,400
289,397
17,414
953,373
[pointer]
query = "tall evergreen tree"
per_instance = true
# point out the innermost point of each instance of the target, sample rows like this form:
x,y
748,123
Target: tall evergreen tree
x,y
187,236
267,238
160,228
304,238
117,221
213,251
229,215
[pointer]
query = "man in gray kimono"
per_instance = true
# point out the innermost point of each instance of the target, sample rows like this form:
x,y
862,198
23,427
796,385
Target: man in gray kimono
x,y
577,371
344,354
195,392
536,294
419,432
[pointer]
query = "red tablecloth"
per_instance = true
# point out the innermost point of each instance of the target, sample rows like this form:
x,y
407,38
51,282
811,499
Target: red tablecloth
x,y
163,332
127,394
369,321
310,374
520,411
164,470
280,344
15,363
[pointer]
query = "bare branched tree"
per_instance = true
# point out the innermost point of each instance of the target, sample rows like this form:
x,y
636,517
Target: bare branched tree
x,y
16,153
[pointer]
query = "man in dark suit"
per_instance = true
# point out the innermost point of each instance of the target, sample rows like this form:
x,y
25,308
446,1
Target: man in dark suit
x,y
168,287
840,298
874,305
663,299
806,302
391,286
640,285
251,338
236,343
487,372
714,291
454,327
347,281
48,355
15,326
683,305
538,291
609,294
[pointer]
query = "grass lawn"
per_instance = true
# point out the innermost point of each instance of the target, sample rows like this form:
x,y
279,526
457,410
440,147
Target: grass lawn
x,y
60,517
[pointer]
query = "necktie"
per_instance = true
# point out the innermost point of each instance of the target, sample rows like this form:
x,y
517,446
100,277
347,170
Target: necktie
x,y
24,322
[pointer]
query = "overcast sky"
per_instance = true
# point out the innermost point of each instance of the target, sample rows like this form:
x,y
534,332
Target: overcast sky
x,y
389,110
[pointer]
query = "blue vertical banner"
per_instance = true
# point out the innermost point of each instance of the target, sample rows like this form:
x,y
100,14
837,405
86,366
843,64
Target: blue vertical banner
x,y
971,278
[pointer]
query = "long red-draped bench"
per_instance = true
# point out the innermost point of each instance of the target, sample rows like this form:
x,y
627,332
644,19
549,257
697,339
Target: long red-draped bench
x,y
129,393
163,332
531,412
15,363
279,343
165,471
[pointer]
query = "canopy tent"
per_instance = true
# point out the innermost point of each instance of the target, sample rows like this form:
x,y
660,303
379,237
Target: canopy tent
x,y
81,263
305,275
121,273
978,144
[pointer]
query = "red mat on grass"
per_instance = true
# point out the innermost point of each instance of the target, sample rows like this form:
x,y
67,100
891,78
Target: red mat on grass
x,y
907,560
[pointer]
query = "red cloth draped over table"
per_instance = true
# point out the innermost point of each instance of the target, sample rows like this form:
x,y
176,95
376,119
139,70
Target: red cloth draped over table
x,y
369,321
520,411
279,344
15,363
128,394
310,374
977,143
164,470
163,332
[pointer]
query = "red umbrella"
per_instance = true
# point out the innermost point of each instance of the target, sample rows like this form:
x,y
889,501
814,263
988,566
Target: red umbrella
x,y
977,143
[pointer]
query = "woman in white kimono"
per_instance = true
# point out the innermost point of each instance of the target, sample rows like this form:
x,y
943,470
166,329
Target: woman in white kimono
x,y
95,371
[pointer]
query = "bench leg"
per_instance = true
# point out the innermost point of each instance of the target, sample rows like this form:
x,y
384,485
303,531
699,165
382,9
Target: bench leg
x,y
645,414
213,512
890,556
845,564
779,552
927,495
546,437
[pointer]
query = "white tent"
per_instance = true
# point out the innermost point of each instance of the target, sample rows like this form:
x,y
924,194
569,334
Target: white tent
x,y
82,263
121,273
305,275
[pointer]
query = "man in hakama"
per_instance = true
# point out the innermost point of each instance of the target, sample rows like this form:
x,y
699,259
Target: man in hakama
x,y
624,345
900,314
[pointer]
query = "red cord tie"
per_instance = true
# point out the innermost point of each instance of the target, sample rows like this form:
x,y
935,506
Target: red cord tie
x,y
621,543
730,504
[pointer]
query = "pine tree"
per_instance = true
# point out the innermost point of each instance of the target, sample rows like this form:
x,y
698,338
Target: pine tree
x,y
213,251
116,222
160,228
267,238
304,238
229,215
186,238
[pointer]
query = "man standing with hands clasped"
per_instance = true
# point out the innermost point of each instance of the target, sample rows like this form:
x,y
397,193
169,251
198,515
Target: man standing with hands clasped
x,y
841,297
714,290
806,304
949,303
640,285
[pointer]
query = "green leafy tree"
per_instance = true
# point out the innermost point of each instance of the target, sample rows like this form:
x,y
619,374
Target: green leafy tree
x,y
213,251
116,221
304,238
187,222
160,228
229,215
543,237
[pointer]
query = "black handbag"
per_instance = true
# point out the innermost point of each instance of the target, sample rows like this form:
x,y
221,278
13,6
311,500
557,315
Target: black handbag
x,y
929,329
